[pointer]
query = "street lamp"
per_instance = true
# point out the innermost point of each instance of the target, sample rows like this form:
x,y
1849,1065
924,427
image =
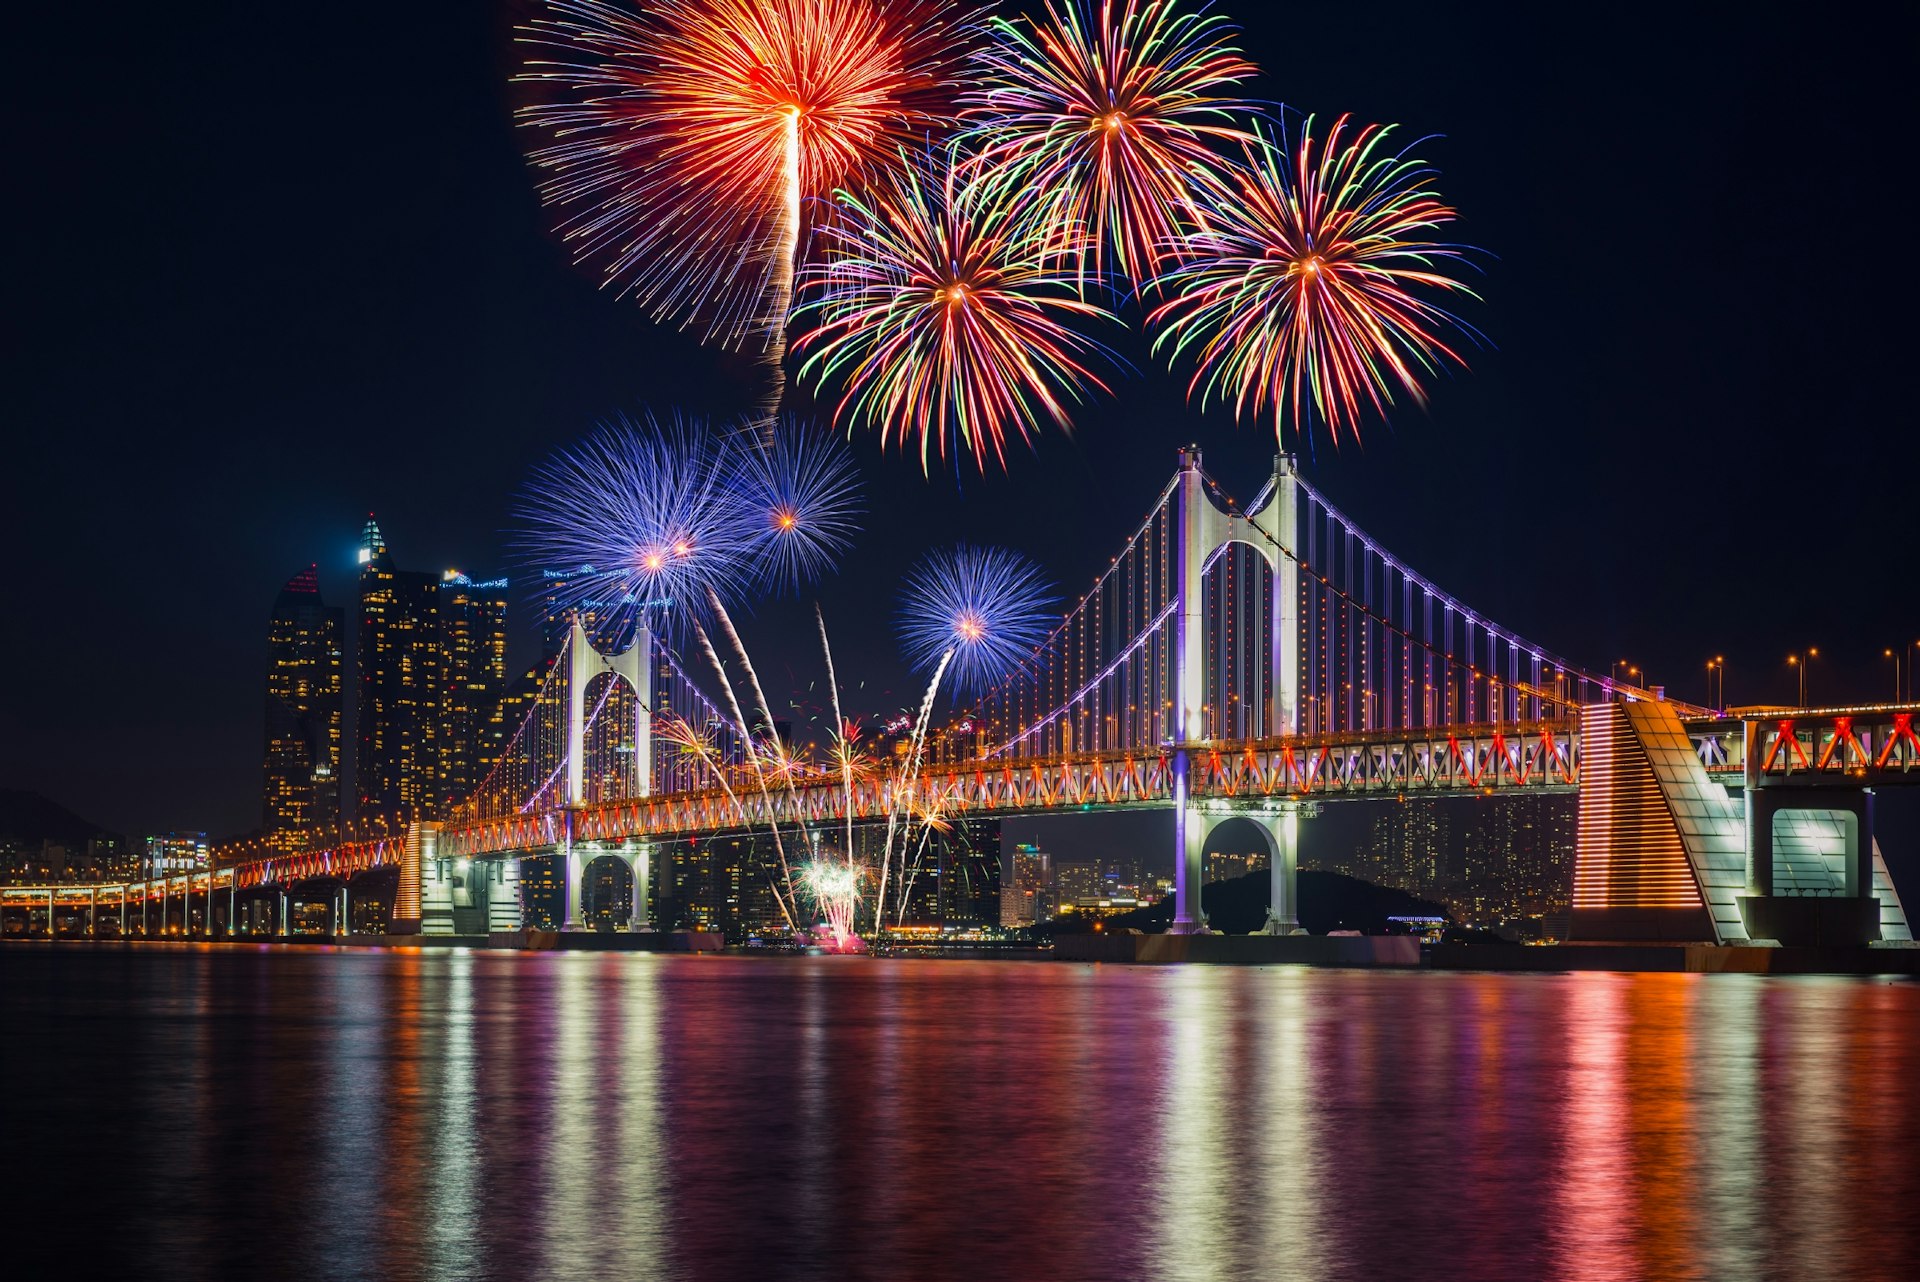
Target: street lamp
x,y
1635,676
1896,656
1717,667
1800,662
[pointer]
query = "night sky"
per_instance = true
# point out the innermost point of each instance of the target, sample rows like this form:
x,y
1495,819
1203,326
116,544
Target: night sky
x,y
281,266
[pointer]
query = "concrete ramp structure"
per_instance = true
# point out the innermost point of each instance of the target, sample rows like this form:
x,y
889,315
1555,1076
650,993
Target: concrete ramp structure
x,y
1668,853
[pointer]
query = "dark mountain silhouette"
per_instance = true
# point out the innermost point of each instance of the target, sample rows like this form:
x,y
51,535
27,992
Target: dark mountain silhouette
x,y
1328,901
27,819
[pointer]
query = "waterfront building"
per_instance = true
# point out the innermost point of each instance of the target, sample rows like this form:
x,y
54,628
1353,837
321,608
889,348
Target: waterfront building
x,y
300,769
1224,865
432,686
1075,880
956,879
175,852
1026,895
396,759
470,620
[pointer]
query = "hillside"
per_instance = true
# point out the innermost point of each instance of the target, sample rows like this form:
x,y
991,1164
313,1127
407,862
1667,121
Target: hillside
x,y
1328,901
28,818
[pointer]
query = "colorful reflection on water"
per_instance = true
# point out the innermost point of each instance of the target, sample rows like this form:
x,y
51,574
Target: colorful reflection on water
x,y
425,1115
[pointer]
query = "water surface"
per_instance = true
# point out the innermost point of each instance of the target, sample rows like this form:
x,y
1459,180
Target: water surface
x,y
180,1112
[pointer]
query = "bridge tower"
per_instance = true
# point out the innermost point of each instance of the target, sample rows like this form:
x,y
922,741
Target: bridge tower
x,y
1205,530
634,665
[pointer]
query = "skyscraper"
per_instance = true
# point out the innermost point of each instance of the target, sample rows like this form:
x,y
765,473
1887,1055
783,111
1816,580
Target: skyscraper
x,y
432,679
172,852
301,792
1024,887
953,877
396,760
471,621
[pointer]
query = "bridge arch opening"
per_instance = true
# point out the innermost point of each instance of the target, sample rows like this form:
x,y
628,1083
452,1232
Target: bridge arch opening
x,y
1816,852
606,893
1235,847
611,739
1239,692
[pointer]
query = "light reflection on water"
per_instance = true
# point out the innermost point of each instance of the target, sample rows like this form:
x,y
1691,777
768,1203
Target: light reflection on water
x,y
432,1115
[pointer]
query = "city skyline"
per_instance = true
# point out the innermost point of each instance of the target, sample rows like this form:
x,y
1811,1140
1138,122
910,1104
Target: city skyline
x,y
960,639
1449,485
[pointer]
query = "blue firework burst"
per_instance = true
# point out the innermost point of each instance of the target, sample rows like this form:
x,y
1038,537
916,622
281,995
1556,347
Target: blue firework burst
x,y
644,516
991,607
800,499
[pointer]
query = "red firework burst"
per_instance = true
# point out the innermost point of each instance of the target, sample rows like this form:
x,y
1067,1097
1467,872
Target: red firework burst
x,y
685,139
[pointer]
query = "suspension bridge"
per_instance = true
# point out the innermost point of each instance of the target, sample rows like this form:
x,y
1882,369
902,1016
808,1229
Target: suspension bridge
x,y
1250,661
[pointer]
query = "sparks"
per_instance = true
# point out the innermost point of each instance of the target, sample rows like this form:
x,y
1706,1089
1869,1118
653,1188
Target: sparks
x,y
941,319
669,517
987,608
801,492
1311,290
683,141
1101,117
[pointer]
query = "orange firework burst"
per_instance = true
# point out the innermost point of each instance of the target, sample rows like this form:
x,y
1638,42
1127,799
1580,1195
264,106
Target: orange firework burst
x,y
943,317
1316,288
685,140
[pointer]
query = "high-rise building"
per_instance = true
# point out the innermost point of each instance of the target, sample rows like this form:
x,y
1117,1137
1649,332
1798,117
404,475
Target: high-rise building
x,y
953,879
1025,888
172,852
1077,879
1225,865
301,792
396,759
471,621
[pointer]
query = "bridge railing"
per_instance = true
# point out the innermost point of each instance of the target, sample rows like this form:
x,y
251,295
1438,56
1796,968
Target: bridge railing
x,y
1862,741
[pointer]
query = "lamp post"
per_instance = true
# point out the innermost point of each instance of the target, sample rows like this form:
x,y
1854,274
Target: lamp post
x,y
1634,674
1717,668
1800,662
1896,656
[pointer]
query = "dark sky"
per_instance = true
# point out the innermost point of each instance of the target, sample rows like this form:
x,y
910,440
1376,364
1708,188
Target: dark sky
x,y
277,265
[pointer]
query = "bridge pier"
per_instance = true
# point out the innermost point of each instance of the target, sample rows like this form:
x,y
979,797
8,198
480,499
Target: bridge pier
x,y
572,878
1189,846
1283,904
640,858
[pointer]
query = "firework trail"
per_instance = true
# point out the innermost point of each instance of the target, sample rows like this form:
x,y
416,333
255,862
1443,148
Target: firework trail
x,y
932,820
683,141
701,748
1103,116
843,731
942,316
754,761
903,793
725,621
977,611
1311,290
801,489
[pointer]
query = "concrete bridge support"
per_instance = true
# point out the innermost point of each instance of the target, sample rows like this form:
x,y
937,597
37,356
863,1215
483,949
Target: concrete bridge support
x,y
1204,531
640,856
1283,896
